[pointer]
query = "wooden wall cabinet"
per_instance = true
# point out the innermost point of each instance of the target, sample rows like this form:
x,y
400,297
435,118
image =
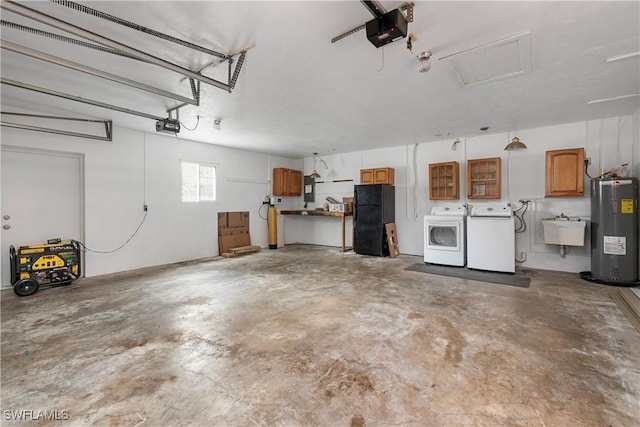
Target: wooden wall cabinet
x,y
563,172
483,178
377,176
443,181
287,182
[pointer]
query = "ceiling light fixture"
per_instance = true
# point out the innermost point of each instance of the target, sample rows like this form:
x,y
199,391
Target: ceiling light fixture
x,y
515,144
315,174
424,61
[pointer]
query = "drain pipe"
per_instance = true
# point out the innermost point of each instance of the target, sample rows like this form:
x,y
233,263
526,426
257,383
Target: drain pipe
x,y
522,258
563,251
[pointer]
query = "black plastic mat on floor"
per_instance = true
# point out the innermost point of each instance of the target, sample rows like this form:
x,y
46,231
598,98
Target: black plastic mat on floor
x,y
464,273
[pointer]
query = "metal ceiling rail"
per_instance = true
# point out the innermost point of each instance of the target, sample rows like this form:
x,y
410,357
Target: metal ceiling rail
x,y
105,41
23,50
94,12
51,92
58,37
231,54
236,72
348,33
376,9
195,91
108,126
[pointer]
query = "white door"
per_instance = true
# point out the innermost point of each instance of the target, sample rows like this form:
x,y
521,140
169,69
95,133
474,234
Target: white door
x,y
41,200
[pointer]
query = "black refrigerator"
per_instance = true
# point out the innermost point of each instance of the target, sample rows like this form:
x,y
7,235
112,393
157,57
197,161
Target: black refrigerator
x,y
374,206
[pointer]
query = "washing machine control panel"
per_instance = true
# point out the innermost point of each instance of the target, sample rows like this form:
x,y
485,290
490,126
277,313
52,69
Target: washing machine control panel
x,y
492,211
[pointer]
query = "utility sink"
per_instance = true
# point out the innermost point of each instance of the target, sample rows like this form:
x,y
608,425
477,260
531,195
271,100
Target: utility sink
x,y
564,231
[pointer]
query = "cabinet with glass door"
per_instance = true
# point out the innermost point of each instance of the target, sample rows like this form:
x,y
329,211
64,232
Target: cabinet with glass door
x,y
443,181
483,178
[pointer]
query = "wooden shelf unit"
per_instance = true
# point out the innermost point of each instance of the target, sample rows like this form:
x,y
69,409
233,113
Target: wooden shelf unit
x,y
443,181
483,178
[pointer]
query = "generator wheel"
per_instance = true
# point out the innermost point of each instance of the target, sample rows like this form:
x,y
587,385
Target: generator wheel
x,y
26,287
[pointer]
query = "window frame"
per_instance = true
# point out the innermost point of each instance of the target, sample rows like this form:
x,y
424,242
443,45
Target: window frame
x,y
199,164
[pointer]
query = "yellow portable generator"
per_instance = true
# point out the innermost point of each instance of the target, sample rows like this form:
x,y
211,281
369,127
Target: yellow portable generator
x,y
55,263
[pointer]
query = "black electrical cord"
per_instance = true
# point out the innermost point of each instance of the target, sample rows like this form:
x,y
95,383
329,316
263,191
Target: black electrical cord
x,y
194,128
85,249
260,211
522,225
586,169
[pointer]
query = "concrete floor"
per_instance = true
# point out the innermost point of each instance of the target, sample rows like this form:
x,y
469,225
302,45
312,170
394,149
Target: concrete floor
x,y
307,336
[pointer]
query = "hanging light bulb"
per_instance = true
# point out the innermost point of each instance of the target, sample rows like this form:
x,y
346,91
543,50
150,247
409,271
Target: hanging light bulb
x,y
424,61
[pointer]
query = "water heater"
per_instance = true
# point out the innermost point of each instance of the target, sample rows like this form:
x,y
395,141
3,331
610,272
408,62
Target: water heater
x,y
614,231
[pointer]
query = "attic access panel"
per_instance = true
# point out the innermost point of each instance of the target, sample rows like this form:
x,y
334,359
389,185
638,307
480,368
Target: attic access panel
x,y
500,59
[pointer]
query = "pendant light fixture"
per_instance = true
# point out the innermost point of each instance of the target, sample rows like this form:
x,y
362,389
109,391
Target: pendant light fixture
x,y
315,174
515,144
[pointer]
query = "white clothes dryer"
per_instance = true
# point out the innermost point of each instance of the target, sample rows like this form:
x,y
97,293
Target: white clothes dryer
x,y
444,236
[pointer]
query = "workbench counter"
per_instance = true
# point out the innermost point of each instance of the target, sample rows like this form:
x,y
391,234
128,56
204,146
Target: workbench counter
x,y
341,215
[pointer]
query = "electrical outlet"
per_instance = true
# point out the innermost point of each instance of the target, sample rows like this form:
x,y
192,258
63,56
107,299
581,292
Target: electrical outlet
x,y
145,207
587,161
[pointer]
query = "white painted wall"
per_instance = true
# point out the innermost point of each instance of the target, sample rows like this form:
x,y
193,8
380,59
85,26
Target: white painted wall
x,y
137,167
608,142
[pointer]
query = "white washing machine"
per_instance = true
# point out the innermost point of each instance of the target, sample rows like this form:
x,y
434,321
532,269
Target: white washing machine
x,y
491,239
444,236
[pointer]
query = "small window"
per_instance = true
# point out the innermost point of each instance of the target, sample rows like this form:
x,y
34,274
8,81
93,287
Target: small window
x,y
198,182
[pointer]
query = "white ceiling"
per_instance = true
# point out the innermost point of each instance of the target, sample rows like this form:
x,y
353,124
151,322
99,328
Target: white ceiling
x,y
298,93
